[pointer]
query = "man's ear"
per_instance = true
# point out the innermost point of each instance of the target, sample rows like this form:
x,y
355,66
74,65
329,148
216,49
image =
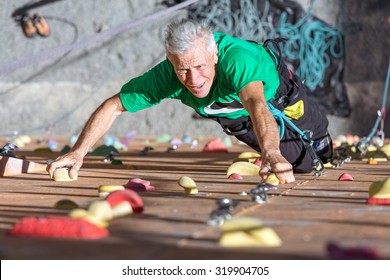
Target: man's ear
x,y
216,54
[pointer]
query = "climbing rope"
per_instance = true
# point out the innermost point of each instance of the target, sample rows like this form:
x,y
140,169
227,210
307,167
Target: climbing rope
x,y
306,137
311,42
377,135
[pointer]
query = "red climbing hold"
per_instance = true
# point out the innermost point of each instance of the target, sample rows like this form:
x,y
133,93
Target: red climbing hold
x,y
345,177
215,146
378,201
57,227
128,195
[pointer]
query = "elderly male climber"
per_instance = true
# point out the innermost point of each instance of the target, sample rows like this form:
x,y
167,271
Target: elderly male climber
x,y
242,85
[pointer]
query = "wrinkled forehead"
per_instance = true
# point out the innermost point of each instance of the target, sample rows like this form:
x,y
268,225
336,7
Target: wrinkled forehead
x,y
197,54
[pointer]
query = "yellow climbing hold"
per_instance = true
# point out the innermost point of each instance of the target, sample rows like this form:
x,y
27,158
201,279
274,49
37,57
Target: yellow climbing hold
x,y
62,175
243,168
379,189
247,232
272,179
249,156
188,185
105,190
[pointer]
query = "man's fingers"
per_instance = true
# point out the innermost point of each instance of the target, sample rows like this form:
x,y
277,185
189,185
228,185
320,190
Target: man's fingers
x,y
73,172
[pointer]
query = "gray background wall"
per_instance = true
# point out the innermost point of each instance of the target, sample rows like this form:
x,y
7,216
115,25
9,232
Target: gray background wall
x,y
60,93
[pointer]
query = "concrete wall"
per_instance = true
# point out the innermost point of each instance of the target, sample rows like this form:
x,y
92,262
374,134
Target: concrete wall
x,y
59,94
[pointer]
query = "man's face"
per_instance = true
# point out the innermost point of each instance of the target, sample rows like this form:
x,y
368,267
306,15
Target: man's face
x,y
196,68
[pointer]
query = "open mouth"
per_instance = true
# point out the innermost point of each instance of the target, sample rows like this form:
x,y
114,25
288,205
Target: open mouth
x,y
198,86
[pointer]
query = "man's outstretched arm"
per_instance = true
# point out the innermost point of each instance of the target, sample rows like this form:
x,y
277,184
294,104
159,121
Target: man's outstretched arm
x,y
266,130
96,126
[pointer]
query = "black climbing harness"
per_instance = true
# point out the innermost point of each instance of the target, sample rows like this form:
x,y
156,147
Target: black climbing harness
x,y
305,136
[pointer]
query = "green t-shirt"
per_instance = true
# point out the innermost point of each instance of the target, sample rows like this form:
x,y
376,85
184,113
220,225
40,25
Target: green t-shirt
x,y
239,63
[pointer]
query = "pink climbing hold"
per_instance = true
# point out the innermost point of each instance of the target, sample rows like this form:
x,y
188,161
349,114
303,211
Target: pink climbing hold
x,y
258,162
215,146
235,176
345,177
139,185
128,195
57,227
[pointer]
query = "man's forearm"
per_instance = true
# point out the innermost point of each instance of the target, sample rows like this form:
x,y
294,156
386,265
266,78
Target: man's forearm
x,y
98,124
265,128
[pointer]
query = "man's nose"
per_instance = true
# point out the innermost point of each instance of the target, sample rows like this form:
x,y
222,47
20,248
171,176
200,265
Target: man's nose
x,y
192,77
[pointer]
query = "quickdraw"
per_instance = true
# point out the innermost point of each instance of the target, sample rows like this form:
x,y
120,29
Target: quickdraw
x,y
377,136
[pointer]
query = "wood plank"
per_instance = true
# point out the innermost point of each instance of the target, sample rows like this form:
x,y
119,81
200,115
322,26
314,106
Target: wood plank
x,y
306,214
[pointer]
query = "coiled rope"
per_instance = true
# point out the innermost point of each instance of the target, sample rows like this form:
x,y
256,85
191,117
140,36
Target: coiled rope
x,y
311,42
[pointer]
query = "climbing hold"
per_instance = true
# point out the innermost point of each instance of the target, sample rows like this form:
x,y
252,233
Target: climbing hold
x,y
215,146
79,213
163,138
121,209
146,150
386,149
379,192
130,196
21,140
100,210
235,176
57,227
43,150
188,185
105,190
116,162
336,252
372,161
104,150
175,142
53,144
186,139
251,156
345,177
62,175
108,140
247,232
227,141
73,139
66,149
65,204
258,162
243,168
119,146
272,179
139,185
